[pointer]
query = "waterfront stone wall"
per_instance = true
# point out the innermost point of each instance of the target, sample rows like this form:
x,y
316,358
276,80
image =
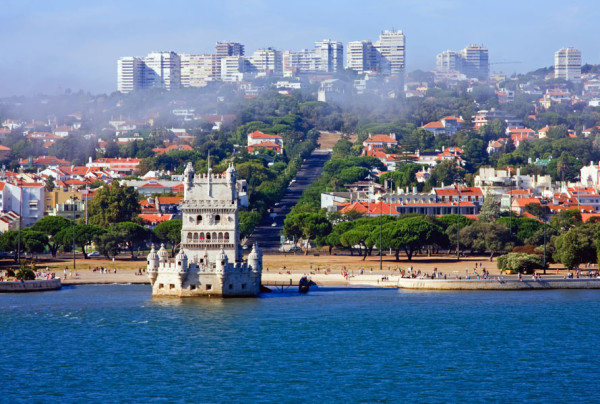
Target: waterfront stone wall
x,y
30,286
496,284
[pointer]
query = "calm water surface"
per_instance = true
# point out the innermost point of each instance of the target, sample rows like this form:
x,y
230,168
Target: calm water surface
x,y
111,343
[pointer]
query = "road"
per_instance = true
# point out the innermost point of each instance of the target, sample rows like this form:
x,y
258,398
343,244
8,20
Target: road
x,y
268,236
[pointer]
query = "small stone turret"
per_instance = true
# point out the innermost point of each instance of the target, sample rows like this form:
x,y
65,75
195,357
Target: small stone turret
x,y
188,177
181,264
162,254
231,174
152,268
255,258
222,261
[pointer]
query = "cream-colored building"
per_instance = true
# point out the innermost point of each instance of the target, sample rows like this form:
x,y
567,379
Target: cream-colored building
x,y
210,261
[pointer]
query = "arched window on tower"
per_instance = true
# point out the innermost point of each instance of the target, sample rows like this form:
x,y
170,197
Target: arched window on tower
x,y
198,219
217,219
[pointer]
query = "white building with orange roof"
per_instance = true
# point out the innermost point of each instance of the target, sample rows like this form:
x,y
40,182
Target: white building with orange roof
x,y
518,205
380,141
24,198
258,140
121,166
448,126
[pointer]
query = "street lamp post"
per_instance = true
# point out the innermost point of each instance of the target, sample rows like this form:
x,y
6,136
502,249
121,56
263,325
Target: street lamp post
x,y
458,222
20,183
74,202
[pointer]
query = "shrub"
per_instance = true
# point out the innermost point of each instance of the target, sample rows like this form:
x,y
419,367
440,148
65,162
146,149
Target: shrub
x,y
519,262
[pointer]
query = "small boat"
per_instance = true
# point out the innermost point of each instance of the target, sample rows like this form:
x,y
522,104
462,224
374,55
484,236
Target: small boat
x,y
304,284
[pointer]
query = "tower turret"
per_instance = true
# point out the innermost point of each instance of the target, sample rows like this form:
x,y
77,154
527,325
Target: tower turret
x,y
255,259
162,254
222,261
152,267
181,265
231,174
188,178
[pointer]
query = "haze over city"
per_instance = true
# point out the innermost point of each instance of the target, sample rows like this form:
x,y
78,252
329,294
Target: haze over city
x,y
68,44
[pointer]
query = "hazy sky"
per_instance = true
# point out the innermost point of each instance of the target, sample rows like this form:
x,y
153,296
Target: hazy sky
x,y
49,46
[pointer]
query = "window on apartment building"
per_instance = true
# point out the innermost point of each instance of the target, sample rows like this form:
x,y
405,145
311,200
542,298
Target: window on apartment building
x,y
33,205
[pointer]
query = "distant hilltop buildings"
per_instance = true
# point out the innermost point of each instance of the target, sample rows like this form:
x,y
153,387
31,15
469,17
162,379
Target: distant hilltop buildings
x,y
170,70
472,61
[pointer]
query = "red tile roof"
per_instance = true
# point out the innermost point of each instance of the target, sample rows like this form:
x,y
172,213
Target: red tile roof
x,y
259,135
381,139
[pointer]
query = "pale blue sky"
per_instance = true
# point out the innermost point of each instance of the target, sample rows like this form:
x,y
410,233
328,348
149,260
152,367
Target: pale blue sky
x,y
52,45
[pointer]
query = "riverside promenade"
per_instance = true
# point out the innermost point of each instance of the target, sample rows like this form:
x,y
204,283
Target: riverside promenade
x,y
498,283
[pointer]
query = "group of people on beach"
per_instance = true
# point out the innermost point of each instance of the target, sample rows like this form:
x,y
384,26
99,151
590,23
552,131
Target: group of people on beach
x,y
104,270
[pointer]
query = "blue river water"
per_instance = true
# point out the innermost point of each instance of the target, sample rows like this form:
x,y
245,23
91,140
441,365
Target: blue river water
x,y
111,343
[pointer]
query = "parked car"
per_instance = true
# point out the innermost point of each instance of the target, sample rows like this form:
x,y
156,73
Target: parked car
x,y
94,254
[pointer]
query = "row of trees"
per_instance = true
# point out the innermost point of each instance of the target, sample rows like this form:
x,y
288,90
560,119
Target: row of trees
x,y
55,233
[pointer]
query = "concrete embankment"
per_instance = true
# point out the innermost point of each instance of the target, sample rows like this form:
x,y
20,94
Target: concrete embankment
x,y
498,284
39,285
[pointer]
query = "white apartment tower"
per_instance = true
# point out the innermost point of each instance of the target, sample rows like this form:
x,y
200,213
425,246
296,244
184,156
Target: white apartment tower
x,y
198,70
448,61
268,60
361,56
129,74
210,261
567,64
330,55
391,47
226,49
162,70
475,62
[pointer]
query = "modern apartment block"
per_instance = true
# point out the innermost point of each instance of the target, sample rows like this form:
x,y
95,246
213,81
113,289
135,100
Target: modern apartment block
x,y
567,64
162,70
267,60
448,61
157,70
472,61
129,74
391,47
361,56
226,49
198,70
387,55
330,55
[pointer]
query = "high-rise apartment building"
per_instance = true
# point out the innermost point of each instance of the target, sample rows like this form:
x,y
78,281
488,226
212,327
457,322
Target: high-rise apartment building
x,y
225,49
361,56
233,68
198,70
448,61
268,60
162,70
391,48
475,62
330,55
129,74
567,64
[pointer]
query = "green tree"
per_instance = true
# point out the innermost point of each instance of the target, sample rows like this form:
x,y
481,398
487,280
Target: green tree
x,y
307,225
33,241
577,245
50,226
85,235
490,210
132,235
108,244
248,220
50,185
9,242
170,231
411,234
113,204
491,237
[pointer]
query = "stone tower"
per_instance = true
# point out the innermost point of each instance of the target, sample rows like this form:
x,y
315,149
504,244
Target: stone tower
x,y
210,261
